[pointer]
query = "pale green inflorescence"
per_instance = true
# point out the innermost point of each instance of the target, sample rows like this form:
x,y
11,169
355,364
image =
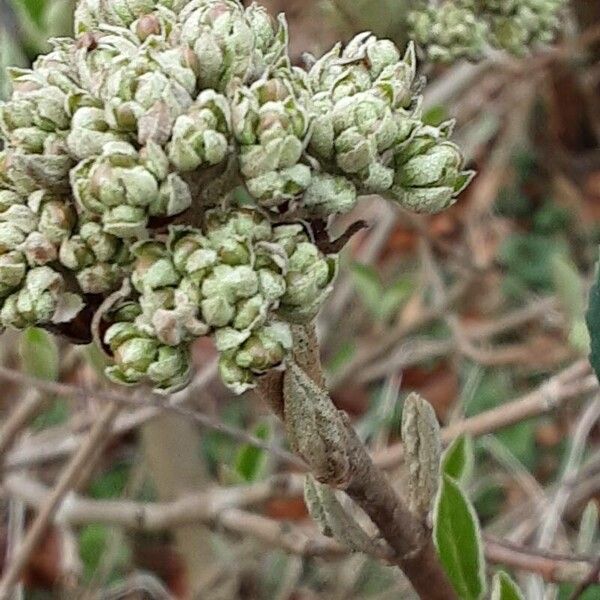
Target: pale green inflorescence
x,y
456,29
123,149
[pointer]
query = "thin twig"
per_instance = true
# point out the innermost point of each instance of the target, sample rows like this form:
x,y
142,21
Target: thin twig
x,y
66,481
155,400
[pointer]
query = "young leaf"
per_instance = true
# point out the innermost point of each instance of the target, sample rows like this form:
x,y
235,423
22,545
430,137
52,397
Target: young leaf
x,y
250,461
39,354
504,588
458,459
593,323
368,286
458,540
394,297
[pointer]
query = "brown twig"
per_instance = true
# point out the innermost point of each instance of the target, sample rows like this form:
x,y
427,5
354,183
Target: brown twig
x,y
575,381
65,483
151,400
25,410
225,507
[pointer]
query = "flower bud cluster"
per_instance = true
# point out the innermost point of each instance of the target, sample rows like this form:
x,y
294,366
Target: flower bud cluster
x,y
239,279
464,28
369,134
120,143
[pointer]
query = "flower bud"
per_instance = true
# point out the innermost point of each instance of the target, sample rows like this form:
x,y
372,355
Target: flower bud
x,y
139,357
201,136
329,195
429,173
13,268
41,300
221,38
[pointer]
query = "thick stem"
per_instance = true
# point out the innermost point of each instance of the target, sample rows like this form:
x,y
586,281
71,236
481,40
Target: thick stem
x,y
409,537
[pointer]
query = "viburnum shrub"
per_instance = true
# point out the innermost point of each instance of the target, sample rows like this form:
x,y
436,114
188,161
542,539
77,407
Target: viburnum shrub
x,y
169,174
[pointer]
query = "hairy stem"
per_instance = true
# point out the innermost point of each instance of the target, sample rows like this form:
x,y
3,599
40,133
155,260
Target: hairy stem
x,y
410,538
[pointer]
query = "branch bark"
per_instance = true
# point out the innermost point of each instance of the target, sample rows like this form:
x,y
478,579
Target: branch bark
x,y
66,482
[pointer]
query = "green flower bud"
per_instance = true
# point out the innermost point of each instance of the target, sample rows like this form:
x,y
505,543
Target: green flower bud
x,y
90,133
429,174
329,195
41,300
449,32
121,185
153,267
89,14
270,44
48,170
309,275
13,268
242,225
125,222
97,257
366,108
8,198
56,218
146,93
201,136
38,249
139,357
516,25
262,351
271,124
222,40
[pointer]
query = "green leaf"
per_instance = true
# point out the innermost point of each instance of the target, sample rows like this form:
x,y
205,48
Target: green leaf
x,y
394,296
504,588
368,286
458,459
380,301
39,354
458,539
593,324
343,355
250,461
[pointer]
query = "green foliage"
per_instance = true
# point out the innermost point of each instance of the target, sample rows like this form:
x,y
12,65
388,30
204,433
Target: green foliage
x,y
570,291
110,484
527,259
251,462
39,354
551,218
94,540
458,539
593,323
343,355
504,588
459,458
381,301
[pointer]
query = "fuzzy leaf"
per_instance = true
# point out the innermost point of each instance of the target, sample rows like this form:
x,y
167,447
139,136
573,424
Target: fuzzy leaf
x,y
458,539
